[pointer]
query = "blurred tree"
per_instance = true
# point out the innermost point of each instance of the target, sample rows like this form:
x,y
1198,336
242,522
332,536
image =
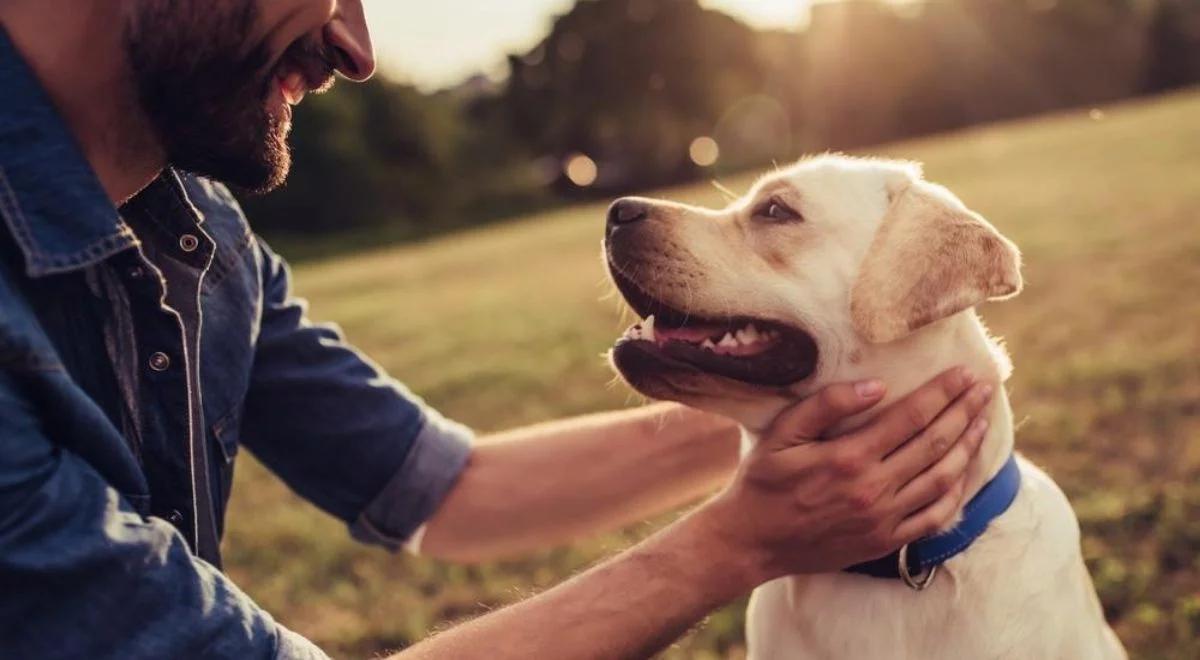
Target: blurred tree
x,y
631,84
385,154
1175,38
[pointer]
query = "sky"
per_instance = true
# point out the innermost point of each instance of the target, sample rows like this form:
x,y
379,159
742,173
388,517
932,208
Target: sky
x,y
435,43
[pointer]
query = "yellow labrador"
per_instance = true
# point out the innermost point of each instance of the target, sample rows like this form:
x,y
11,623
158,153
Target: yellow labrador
x,y
838,269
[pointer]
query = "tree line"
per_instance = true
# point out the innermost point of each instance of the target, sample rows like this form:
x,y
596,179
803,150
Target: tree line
x,y
623,95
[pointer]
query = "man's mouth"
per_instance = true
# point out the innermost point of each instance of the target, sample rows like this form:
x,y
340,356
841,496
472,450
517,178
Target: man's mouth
x,y
292,86
305,66
751,350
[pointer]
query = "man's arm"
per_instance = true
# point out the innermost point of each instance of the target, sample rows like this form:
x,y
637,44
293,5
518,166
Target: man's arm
x,y
82,575
548,484
795,506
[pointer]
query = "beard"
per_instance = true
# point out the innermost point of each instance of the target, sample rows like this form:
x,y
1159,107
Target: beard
x,y
204,92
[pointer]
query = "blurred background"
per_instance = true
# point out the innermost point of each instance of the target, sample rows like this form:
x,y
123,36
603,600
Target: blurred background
x,y
448,215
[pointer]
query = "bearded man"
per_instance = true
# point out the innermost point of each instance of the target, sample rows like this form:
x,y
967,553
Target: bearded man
x,y
146,334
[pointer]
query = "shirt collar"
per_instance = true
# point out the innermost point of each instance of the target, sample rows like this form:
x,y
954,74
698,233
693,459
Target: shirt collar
x,y
50,199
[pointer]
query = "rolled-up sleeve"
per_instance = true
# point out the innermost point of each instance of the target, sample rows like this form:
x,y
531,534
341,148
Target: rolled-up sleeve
x,y
338,430
83,575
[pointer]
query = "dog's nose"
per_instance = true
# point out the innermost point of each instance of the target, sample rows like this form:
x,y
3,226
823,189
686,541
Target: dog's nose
x,y
627,210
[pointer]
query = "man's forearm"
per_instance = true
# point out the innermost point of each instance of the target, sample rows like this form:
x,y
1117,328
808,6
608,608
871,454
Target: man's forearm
x,y
542,485
629,607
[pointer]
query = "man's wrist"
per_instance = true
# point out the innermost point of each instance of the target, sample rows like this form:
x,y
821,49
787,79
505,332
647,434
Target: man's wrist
x,y
731,566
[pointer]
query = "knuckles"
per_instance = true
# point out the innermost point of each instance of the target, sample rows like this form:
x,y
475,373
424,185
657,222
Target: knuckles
x,y
864,497
939,444
916,415
848,462
944,483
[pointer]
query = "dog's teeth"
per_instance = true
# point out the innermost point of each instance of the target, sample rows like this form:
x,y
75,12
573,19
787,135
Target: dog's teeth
x,y
728,341
648,327
748,335
708,343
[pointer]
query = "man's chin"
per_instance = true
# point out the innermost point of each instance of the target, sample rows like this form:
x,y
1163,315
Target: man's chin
x,y
254,171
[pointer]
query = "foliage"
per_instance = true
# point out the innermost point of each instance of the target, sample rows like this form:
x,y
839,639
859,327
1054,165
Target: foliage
x,y
505,325
631,83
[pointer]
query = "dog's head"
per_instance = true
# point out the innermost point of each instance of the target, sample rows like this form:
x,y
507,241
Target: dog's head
x,y
747,308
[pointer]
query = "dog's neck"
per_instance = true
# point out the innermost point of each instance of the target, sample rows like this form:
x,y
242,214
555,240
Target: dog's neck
x,y
906,364
961,340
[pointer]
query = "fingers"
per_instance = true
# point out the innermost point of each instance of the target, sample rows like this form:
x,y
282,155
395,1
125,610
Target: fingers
x,y
910,415
933,518
810,418
940,479
943,434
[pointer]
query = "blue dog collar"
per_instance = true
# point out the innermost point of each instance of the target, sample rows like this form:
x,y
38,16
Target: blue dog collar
x,y
921,558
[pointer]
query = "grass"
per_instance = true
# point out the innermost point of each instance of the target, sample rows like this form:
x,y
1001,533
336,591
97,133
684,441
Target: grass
x,y
505,325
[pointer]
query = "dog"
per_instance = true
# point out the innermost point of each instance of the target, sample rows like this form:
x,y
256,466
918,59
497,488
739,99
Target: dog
x,y
839,269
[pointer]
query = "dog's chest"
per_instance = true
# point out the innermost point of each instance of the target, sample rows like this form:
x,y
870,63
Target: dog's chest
x,y
1021,591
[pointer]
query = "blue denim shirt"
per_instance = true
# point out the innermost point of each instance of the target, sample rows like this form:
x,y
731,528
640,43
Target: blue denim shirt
x,y
113,401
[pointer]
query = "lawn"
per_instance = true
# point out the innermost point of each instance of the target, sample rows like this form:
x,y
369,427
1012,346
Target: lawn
x,y
506,325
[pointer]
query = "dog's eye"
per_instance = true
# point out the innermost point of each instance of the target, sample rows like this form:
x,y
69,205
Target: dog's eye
x,y
774,210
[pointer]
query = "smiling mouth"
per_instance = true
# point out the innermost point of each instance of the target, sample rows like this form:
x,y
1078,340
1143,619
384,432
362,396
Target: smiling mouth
x,y
751,350
306,66
292,86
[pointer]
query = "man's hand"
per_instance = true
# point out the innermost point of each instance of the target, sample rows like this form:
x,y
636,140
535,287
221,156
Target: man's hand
x,y
802,505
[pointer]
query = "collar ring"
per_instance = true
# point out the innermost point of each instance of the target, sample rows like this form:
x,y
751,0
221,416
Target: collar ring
x,y
918,582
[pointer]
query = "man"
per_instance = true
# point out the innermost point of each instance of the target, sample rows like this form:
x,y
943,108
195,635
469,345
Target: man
x,y
146,333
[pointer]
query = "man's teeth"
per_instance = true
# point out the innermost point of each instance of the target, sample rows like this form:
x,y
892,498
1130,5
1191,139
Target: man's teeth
x,y
292,85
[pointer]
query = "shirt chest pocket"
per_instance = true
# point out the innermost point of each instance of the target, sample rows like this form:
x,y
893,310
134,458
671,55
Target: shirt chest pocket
x,y
232,307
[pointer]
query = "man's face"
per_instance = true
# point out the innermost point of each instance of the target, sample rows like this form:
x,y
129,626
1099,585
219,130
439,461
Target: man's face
x,y
217,78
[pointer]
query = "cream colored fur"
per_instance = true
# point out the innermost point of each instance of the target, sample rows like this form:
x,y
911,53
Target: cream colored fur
x,y
883,271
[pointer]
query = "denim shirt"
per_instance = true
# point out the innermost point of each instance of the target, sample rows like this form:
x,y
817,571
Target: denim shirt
x,y
141,348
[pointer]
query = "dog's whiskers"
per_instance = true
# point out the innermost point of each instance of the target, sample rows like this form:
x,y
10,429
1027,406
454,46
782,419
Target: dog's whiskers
x,y
729,195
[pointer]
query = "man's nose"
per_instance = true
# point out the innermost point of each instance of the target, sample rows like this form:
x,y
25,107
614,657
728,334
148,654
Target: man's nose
x,y
627,210
350,39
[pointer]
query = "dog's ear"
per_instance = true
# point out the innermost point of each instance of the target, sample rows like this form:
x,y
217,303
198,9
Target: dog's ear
x,y
931,258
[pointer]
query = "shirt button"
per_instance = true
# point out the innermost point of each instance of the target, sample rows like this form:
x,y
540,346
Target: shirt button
x,y
137,273
160,361
189,242
175,518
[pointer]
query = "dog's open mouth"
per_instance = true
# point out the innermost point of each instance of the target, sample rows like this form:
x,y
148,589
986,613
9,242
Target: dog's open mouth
x,y
752,350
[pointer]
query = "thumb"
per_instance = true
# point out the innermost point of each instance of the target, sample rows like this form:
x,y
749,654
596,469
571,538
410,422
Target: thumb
x,y
808,420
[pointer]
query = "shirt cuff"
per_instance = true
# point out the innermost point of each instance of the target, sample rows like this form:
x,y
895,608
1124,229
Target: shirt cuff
x,y
437,458
292,646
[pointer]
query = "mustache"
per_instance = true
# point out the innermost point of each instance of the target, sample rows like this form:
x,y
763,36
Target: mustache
x,y
311,58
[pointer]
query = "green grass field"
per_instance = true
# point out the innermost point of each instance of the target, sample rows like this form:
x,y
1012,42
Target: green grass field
x,y
506,325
